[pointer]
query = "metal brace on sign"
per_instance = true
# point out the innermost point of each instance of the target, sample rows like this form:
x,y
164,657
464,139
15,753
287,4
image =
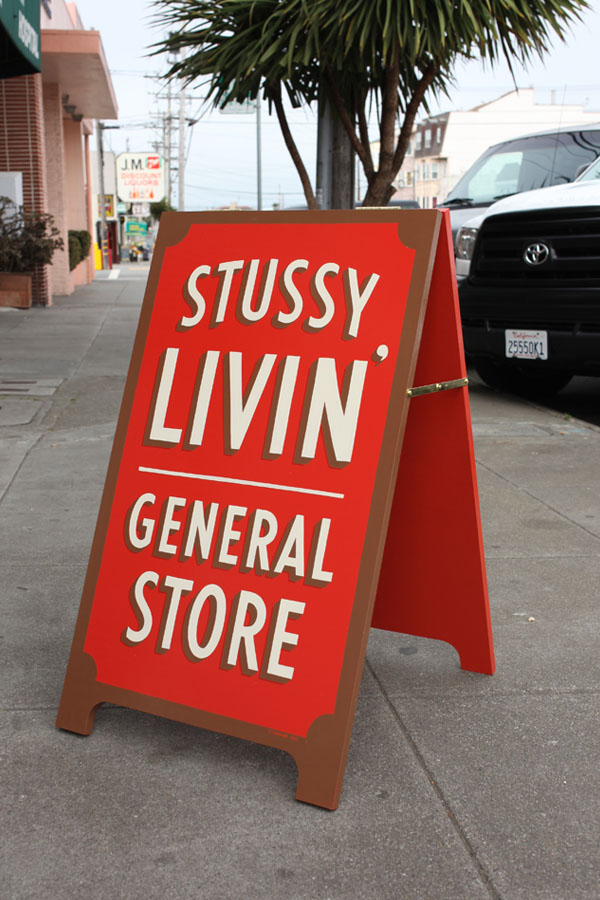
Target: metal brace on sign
x,y
438,386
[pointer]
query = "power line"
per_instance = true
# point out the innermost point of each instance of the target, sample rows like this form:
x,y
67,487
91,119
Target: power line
x,y
234,190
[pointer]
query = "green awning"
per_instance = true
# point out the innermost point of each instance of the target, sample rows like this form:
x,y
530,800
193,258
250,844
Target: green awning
x,y
20,51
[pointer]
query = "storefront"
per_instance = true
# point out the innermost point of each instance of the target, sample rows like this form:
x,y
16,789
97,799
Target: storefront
x,y
47,118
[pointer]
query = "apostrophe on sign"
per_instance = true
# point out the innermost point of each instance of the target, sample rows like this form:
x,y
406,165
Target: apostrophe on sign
x,y
380,353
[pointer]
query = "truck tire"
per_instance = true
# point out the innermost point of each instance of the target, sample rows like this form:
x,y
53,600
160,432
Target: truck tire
x,y
529,381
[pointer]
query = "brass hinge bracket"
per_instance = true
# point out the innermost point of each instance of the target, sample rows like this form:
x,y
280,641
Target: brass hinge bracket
x,y
435,388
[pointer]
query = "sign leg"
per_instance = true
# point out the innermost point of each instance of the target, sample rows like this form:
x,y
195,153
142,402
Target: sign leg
x,y
321,762
80,697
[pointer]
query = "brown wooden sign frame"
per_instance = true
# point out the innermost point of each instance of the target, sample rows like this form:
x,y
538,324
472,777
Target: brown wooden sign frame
x,y
321,753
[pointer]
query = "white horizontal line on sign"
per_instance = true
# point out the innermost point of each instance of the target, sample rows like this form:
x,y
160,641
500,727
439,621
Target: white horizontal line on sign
x,y
263,484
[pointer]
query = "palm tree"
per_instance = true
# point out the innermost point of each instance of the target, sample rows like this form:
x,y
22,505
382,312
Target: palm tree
x,y
360,55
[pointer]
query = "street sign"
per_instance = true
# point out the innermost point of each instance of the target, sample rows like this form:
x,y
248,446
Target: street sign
x,y
246,108
135,229
236,559
140,177
109,206
140,209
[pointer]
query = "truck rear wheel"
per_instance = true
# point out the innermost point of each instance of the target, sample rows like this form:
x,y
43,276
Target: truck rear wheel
x,y
534,382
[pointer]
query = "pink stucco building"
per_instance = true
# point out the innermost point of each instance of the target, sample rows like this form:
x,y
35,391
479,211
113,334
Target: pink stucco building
x,y
46,119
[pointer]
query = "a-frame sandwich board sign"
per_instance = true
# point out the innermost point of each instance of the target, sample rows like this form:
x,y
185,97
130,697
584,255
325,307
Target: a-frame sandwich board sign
x,y
234,566
433,581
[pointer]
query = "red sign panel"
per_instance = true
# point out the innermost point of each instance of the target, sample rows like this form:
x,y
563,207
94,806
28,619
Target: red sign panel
x,y
236,555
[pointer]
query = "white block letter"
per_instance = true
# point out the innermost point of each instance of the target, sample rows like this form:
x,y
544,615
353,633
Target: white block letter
x,y
216,596
135,541
241,641
169,526
358,298
318,575
323,295
196,296
229,268
290,553
280,638
342,417
141,609
291,293
284,403
243,406
257,542
166,372
199,531
255,315
203,394
230,535
174,588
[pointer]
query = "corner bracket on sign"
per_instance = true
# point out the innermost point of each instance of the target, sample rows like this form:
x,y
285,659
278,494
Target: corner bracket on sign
x,y
435,388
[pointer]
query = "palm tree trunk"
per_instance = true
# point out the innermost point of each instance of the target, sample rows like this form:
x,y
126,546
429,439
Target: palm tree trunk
x,y
275,94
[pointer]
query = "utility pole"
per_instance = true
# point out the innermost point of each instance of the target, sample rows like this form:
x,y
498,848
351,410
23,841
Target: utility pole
x,y
335,161
181,204
103,233
167,143
258,156
168,132
162,124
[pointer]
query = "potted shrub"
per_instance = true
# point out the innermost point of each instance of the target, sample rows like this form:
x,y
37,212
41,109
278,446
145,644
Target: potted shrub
x,y
80,242
27,240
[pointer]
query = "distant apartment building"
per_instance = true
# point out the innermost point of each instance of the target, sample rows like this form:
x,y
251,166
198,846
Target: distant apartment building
x,y
444,146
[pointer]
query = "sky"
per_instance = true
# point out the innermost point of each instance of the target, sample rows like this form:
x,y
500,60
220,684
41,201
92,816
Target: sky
x,y
221,149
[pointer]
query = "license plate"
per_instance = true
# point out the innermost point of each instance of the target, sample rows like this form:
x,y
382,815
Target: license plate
x,y
526,344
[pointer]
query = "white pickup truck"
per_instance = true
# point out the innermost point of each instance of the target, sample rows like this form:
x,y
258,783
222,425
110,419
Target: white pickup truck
x,y
529,287
523,163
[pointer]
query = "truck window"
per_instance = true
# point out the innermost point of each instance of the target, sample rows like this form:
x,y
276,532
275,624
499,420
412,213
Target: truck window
x,y
593,173
525,164
499,174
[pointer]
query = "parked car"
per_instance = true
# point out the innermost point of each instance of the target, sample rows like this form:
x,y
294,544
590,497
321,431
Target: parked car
x,y
405,204
530,305
522,164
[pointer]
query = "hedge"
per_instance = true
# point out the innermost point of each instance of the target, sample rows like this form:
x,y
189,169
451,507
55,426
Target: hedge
x,y
79,247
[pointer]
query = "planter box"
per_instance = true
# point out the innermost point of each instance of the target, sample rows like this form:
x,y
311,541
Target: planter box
x,y
15,290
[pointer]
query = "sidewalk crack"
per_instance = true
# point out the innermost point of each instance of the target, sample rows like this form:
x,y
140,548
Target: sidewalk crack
x,y
520,487
483,873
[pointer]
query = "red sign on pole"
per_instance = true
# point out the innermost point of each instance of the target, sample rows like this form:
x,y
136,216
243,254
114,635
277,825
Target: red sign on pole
x,y
235,563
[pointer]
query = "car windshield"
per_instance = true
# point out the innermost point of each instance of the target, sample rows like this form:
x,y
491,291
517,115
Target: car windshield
x,y
526,164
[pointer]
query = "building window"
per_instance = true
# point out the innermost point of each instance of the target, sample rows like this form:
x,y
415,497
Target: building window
x,y
435,171
409,149
427,138
419,140
438,134
409,179
425,171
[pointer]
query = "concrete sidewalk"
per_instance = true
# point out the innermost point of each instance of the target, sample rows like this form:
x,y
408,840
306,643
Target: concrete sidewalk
x,y
458,786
